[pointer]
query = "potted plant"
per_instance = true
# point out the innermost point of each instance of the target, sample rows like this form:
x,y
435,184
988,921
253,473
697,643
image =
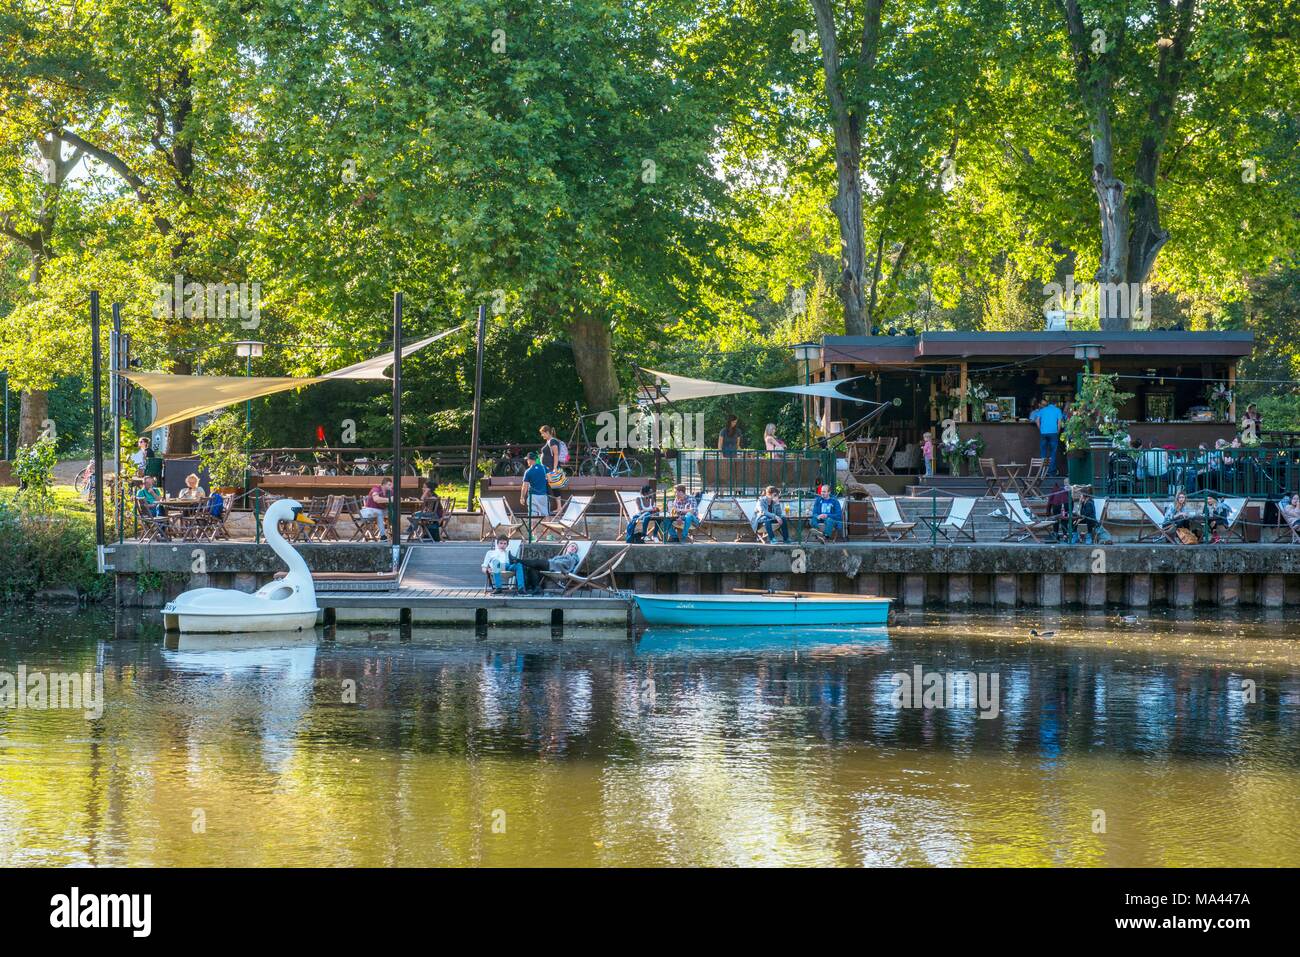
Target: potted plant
x,y
977,394
1093,423
1219,396
223,451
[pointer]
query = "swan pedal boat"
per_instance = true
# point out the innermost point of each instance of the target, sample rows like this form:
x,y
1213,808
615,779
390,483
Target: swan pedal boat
x,y
754,607
288,604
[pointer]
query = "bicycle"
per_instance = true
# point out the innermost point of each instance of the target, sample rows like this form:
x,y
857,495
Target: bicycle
x,y
85,480
612,462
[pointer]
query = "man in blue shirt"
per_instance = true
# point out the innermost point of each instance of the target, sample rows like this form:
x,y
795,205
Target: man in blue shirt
x,y
1048,417
533,493
826,513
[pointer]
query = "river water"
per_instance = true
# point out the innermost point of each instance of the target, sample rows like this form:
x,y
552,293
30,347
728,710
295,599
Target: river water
x,y
1169,740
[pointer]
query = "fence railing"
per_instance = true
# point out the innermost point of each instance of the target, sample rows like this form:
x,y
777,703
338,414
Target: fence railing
x,y
749,471
1267,473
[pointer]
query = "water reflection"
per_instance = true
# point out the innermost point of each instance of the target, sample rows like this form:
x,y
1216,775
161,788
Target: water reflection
x,y
379,747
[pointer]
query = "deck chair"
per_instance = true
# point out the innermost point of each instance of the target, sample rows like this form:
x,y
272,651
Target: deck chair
x,y
750,527
1284,530
629,505
956,524
891,519
1021,524
498,520
989,472
562,578
602,579
566,524
702,518
1156,519
1235,528
507,580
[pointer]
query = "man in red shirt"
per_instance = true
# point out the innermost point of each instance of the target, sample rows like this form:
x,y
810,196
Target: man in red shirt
x,y
377,503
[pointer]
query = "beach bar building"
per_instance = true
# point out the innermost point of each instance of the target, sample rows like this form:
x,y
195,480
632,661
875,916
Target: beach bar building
x,y
988,381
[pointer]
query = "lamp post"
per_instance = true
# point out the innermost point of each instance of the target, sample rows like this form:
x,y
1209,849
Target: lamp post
x,y
248,350
1087,353
805,352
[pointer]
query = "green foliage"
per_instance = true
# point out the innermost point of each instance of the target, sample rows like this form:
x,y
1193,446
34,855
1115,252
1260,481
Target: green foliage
x,y
223,449
1094,411
47,551
33,466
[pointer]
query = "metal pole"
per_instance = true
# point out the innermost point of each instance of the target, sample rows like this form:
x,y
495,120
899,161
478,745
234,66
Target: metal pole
x,y
395,500
478,404
115,383
6,416
807,400
97,400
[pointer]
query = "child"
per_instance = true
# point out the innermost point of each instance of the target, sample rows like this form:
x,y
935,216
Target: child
x,y
927,451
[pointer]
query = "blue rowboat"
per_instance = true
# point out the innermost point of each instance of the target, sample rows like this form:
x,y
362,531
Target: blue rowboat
x,y
762,608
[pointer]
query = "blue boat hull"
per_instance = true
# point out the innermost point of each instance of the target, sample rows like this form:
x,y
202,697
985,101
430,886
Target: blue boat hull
x,y
694,611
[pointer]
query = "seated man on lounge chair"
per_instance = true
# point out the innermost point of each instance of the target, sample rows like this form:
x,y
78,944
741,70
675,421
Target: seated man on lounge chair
x,y
1217,513
1086,506
770,513
681,508
827,516
499,560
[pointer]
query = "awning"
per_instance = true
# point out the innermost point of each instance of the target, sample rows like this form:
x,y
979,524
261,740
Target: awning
x,y
181,397
679,388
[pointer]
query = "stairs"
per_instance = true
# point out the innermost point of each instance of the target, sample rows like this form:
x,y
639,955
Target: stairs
x,y
444,565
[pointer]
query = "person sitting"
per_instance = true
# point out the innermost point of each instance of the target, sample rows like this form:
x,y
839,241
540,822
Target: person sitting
x,y
499,561
150,496
770,514
1216,514
1060,508
1181,516
1152,463
1088,517
646,511
827,516
377,503
1290,512
566,563
680,509
430,513
193,491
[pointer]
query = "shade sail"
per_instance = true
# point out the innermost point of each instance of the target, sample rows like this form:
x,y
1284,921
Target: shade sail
x,y
180,397
678,388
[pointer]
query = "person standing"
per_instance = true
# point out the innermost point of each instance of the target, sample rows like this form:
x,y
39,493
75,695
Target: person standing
x,y
377,503
1048,416
143,450
729,438
549,455
533,492
771,440
927,452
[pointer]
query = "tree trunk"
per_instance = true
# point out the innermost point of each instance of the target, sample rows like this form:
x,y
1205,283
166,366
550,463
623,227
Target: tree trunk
x,y
1114,309
594,358
847,206
180,435
33,412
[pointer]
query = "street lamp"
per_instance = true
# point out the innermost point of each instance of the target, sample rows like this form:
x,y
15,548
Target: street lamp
x,y
1087,353
248,350
805,352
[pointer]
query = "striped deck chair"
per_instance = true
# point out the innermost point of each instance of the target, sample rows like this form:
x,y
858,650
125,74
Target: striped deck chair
x,y
1156,519
629,506
1022,524
750,527
507,578
566,524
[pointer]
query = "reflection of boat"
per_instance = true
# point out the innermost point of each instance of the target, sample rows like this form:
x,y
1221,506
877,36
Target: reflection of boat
x,y
283,605
784,608
742,640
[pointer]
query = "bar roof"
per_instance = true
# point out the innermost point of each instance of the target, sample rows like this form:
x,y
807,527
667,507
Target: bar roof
x,y
949,346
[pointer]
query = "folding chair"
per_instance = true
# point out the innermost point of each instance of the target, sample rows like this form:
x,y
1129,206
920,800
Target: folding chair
x,y
629,505
1284,528
820,536
1234,528
749,512
562,578
956,524
507,578
702,508
1156,519
891,519
498,520
1033,477
566,525
989,472
602,579
153,528
1021,524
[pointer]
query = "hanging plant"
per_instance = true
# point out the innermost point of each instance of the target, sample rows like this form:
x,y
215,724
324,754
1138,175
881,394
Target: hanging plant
x,y
1095,411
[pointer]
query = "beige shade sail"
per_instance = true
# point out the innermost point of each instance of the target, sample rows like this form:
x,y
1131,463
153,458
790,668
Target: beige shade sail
x,y
678,388
181,397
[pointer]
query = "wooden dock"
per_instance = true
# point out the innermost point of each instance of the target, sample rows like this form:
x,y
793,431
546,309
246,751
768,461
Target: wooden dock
x,y
443,584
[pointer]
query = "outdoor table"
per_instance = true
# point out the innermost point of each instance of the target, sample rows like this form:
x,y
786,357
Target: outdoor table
x,y
863,454
1010,475
184,515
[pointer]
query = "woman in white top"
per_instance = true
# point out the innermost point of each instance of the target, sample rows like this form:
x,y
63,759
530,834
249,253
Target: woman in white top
x,y
770,439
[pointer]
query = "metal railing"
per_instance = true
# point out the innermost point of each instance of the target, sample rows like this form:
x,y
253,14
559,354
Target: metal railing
x,y
1267,473
750,471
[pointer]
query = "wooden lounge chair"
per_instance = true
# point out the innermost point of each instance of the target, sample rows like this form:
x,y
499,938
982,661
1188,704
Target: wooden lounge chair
x,y
891,519
629,506
566,525
498,520
956,524
602,579
562,578
1235,528
1021,524
1156,519
507,578
749,527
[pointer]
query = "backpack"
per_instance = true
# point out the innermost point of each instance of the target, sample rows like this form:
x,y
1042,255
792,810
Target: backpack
x,y
563,457
216,504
